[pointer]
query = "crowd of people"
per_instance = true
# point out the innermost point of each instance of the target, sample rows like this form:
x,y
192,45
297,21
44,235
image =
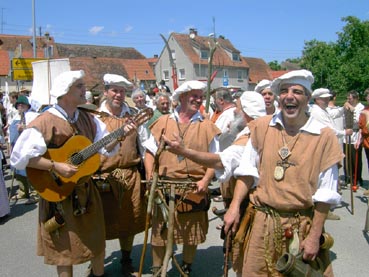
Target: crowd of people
x,y
276,152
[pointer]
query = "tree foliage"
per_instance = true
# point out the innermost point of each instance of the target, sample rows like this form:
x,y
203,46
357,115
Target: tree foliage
x,y
342,65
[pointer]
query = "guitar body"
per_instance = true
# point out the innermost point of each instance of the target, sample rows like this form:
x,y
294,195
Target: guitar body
x,y
55,188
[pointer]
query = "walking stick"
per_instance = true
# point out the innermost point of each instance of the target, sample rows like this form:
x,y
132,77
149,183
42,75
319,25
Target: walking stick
x,y
228,244
151,201
354,187
169,246
366,227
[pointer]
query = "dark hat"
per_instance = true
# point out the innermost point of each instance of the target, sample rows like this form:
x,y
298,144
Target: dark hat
x,y
22,100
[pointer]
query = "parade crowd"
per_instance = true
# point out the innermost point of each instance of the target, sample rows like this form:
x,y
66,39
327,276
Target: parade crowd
x,y
275,151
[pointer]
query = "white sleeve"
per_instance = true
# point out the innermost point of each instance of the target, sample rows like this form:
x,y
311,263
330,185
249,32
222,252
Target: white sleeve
x,y
30,144
248,164
230,158
327,187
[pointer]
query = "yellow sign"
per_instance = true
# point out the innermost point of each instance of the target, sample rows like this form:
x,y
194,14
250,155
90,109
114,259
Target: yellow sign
x,y
22,63
22,68
22,74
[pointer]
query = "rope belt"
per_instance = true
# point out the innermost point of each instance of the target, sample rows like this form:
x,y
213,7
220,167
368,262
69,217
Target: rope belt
x,y
272,211
275,216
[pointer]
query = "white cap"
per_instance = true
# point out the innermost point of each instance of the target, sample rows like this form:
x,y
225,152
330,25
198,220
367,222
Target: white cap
x,y
116,80
263,84
321,93
298,77
64,81
253,104
188,86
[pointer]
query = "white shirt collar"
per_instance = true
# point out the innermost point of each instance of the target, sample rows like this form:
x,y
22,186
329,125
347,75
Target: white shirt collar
x,y
311,126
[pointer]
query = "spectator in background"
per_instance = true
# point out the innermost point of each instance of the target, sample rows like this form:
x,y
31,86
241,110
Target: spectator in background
x,y
162,104
364,131
139,98
351,146
26,115
271,104
4,202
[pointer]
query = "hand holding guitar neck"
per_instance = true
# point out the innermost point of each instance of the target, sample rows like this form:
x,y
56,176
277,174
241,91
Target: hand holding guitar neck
x,y
128,128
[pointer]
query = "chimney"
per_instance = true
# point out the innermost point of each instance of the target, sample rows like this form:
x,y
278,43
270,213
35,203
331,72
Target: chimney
x,y
193,31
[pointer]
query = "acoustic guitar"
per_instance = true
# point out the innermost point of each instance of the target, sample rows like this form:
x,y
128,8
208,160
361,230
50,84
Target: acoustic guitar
x,y
80,152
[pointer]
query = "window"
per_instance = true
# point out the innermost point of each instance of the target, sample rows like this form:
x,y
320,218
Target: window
x,y
225,73
165,75
174,55
236,57
49,51
239,75
204,54
182,74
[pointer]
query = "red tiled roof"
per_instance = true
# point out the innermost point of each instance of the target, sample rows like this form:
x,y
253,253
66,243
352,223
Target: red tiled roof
x,y
4,66
259,69
95,68
277,73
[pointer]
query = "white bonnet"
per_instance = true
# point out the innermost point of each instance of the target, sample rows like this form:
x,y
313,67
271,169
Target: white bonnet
x,y
253,104
301,77
321,93
116,80
64,81
263,84
188,86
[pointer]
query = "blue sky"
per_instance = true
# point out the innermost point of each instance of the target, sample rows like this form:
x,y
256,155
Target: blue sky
x,y
271,30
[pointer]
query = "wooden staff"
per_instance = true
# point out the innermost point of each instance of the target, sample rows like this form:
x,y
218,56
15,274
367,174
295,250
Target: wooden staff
x,y
151,200
169,247
228,244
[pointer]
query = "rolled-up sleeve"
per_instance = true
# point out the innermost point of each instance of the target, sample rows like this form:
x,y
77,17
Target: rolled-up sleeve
x,y
327,187
30,144
230,159
248,164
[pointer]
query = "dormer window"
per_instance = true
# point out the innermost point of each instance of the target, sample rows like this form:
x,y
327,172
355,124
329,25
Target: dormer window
x,y
204,54
236,57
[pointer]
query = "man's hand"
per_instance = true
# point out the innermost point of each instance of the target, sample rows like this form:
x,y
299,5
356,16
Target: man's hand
x,y
175,145
232,219
311,247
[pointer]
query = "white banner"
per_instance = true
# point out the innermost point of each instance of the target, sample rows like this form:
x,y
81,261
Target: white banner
x,y
44,72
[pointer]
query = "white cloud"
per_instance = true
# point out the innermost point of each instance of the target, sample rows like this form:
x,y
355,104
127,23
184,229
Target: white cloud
x,y
95,30
128,28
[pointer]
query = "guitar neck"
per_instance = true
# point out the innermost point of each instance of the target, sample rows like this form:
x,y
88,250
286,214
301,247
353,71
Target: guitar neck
x,y
92,149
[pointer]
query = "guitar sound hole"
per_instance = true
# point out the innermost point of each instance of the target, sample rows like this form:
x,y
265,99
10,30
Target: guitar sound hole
x,y
76,159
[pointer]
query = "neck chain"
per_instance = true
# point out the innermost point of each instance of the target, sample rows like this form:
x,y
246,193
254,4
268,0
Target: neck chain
x,y
284,152
182,134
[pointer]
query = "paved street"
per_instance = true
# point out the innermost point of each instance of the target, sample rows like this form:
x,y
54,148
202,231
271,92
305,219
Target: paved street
x,y
350,252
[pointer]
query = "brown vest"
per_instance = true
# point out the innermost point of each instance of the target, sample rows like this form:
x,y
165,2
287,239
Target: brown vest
x,y
197,136
311,155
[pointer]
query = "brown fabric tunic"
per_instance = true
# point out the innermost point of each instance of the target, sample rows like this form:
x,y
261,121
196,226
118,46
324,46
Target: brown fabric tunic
x,y
124,205
311,154
189,228
82,237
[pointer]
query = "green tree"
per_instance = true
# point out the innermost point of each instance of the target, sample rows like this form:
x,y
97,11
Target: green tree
x,y
342,65
274,65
